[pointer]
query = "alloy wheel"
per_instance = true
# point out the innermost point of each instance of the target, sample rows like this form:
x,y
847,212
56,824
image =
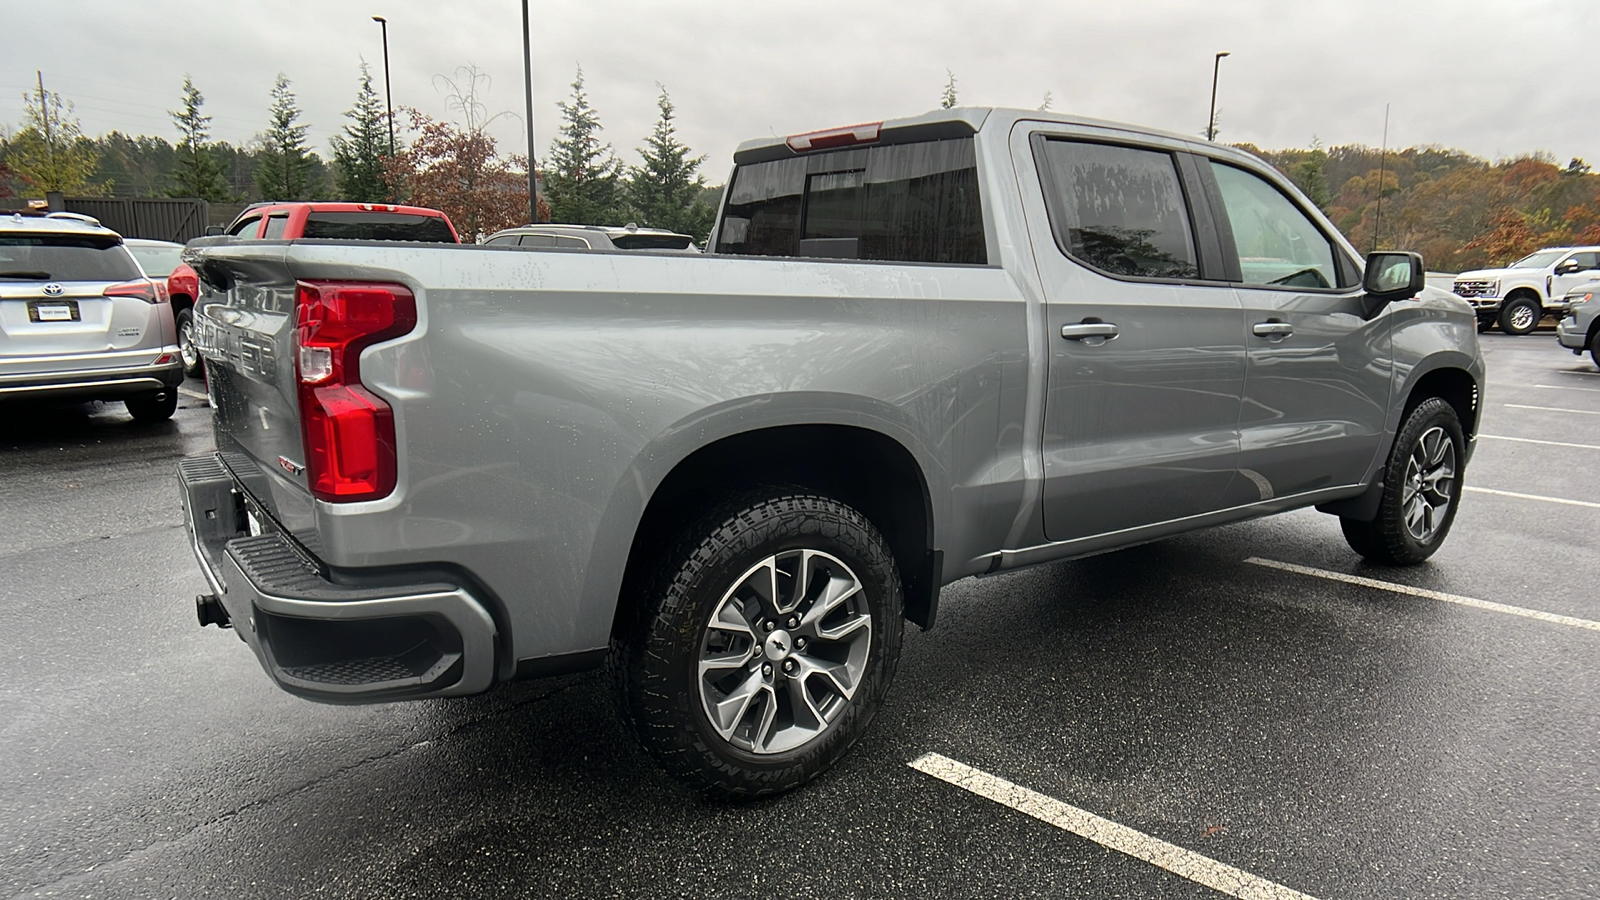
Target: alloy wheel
x,y
784,651
1429,484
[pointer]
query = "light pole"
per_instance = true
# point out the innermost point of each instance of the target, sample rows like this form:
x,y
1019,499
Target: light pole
x,y
388,93
1211,120
527,83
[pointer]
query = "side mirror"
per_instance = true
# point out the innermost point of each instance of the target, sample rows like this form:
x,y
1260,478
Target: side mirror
x,y
1393,275
213,230
1568,267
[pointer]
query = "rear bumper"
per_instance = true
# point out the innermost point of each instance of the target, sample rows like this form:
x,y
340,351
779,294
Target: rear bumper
x,y
325,640
91,382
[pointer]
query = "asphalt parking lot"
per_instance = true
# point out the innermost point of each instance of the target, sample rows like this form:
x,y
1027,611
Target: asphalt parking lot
x,y
1251,708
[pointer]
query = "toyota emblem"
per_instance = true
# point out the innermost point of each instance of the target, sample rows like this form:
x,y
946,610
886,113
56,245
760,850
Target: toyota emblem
x,y
52,289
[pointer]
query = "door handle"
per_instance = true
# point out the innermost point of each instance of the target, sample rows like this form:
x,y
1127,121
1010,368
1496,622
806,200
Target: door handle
x,y
1089,330
1272,329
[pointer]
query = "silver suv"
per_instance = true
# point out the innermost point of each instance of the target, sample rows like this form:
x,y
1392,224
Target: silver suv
x,y
592,237
1580,330
80,321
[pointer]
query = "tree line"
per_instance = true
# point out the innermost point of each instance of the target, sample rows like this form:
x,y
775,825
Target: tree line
x,y
1460,211
453,165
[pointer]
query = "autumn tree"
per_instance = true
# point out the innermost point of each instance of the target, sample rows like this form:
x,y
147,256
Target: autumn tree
x,y
666,192
50,153
197,173
287,169
582,177
360,152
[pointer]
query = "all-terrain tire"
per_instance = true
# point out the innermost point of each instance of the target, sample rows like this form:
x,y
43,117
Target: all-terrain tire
x,y
1403,534
660,663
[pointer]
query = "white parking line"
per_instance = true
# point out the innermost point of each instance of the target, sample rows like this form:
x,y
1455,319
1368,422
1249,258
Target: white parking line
x,y
1581,412
1183,863
1424,592
195,394
1561,500
1501,437
1568,387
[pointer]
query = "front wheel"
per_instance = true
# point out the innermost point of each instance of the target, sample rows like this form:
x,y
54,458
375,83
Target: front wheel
x,y
1594,349
1520,316
1421,489
768,641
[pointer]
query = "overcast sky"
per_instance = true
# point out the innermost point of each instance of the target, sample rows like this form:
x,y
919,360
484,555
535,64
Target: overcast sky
x,y
1493,77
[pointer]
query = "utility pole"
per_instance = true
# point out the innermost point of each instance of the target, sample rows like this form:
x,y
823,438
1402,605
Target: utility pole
x,y
1211,120
527,82
388,91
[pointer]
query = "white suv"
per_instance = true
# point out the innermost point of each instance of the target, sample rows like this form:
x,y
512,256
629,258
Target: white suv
x,y
80,321
1519,295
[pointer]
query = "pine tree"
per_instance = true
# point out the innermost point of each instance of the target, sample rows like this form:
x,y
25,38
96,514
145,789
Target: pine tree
x,y
50,153
948,99
582,177
197,173
666,191
287,168
360,151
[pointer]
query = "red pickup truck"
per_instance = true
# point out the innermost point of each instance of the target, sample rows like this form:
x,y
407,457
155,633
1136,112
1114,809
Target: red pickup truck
x,y
343,221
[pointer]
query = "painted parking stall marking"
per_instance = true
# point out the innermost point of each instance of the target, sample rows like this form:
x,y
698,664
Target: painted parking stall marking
x,y
1562,500
1567,387
1552,618
1581,412
1184,863
1501,437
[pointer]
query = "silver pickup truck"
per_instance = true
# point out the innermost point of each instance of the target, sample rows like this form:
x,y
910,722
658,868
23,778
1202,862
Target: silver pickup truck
x,y
917,351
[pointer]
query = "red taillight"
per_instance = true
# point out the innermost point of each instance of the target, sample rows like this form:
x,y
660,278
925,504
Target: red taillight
x,y
349,432
148,291
835,137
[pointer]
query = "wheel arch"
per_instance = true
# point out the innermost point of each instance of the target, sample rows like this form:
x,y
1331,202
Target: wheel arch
x,y
863,467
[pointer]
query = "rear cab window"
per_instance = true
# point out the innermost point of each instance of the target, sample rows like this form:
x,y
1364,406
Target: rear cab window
x,y
913,202
378,226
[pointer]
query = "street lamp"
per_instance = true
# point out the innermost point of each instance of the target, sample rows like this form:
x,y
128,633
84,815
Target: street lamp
x,y
1211,120
388,93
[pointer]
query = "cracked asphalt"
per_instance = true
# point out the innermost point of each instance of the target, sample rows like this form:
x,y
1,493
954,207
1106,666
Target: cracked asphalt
x,y
1332,738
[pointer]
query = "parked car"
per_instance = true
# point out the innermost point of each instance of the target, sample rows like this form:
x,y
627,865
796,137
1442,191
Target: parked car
x,y
1519,295
1580,330
163,262
343,221
79,320
592,237
1027,337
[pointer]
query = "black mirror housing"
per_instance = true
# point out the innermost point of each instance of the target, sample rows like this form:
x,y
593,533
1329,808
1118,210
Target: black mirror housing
x,y
1393,275
213,230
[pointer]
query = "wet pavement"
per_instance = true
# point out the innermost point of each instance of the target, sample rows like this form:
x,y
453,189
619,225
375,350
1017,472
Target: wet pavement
x,y
1329,738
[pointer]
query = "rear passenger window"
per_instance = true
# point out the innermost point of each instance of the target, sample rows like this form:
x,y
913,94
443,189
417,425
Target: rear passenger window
x,y
903,202
1278,244
1119,209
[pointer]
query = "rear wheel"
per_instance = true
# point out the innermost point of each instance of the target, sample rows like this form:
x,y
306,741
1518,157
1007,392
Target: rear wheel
x,y
186,349
1421,487
1520,316
155,406
768,640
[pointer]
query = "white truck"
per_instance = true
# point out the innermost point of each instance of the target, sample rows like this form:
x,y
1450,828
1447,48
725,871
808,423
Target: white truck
x,y
1519,295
